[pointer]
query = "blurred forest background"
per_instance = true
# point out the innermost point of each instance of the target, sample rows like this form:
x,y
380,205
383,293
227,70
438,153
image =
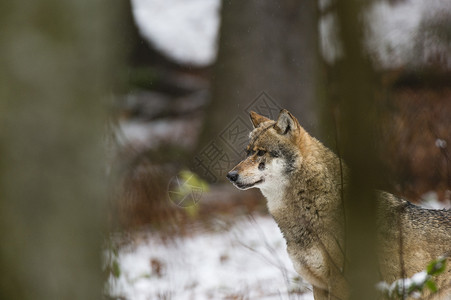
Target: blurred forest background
x,y
272,56
110,107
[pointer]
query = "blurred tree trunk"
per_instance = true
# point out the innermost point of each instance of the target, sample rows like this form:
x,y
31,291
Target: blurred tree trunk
x,y
56,69
264,46
351,103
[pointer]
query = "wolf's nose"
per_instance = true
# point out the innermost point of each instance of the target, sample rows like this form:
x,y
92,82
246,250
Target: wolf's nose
x,y
232,176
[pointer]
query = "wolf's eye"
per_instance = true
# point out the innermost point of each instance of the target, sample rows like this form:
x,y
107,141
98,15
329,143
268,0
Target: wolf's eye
x,y
261,152
249,152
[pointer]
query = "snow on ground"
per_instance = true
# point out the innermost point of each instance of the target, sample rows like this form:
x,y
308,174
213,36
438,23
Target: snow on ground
x,y
145,135
185,30
430,201
247,260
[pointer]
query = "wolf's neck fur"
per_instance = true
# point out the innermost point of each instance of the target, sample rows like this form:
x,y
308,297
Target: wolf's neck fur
x,y
274,197
301,203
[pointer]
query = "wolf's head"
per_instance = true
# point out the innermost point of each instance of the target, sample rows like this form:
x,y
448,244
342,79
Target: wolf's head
x,y
273,153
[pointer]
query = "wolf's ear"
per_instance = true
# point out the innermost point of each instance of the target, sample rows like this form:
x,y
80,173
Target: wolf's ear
x,y
257,119
286,122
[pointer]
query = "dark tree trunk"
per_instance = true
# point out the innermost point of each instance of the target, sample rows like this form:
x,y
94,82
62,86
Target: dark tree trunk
x,y
264,46
57,68
352,93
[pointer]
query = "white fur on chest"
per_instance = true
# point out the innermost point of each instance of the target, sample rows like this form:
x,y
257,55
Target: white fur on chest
x,y
274,198
275,185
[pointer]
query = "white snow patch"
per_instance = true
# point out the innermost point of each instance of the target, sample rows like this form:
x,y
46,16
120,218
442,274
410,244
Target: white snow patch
x,y
406,33
249,259
439,143
430,200
392,30
331,46
145,135
402,286
185,30
418,278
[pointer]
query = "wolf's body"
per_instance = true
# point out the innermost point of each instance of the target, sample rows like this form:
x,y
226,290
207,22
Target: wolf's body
x,y
301,180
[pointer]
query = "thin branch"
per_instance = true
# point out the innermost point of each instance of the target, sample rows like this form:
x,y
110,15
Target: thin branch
x,y
344,251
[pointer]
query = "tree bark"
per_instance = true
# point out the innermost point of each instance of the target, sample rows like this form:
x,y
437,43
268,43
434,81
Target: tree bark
x,y
264,46
351,102
57,66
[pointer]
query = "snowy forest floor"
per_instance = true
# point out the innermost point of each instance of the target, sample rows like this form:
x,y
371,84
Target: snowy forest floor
x,y
228,255
245,258
230,249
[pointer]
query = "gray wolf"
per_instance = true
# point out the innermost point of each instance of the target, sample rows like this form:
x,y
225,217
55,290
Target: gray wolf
x,y
300,179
